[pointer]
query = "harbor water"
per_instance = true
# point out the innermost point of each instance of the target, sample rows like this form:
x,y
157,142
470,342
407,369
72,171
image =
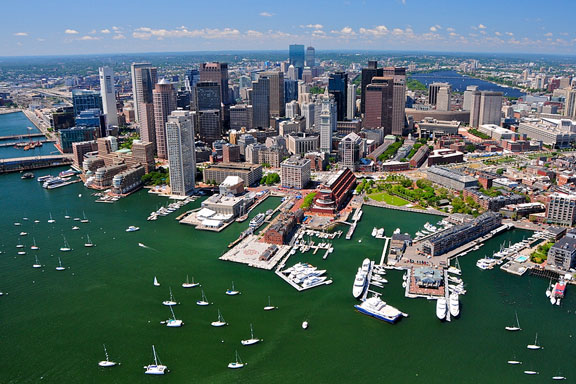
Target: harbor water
x,y
53,323
17,124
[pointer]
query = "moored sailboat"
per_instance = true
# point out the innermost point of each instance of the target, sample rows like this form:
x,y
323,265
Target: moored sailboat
x,y
107,362
171,301
516,327
233,291
220,322
534,346
156,368
269,307
252,340
189,284
236,364
203,301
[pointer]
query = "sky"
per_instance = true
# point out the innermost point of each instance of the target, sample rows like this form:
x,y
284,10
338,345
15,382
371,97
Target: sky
x,y
65,27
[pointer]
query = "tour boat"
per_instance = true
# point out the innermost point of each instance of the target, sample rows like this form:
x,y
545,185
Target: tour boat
x,y
534,346
232,292
236,364
60,267
107,362
170,302
155,369
66,247
203,301
220,322
84,218
156,283
132,229
51,220
34,246
516,327
37,264
189,284
269,307
252,340
305,325
88,243
173,322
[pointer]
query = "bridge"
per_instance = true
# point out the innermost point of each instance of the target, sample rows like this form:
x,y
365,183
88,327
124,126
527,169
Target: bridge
x,y
22,136
21,164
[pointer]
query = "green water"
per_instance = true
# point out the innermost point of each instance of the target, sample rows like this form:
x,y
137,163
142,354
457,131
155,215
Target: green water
x,y
17,124
53,324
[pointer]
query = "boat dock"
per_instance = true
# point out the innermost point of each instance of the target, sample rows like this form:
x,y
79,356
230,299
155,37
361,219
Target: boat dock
x,y
21,136
256,254
298,287
446,294
22,164
355,218
384,253
369,279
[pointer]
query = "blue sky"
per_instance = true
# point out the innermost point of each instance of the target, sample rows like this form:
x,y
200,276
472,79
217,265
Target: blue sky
x,y
105,26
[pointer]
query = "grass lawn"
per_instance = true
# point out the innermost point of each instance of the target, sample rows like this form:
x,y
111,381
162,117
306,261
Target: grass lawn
x,y
388,199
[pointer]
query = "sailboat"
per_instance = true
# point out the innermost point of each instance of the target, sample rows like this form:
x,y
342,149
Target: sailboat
x,y
305,324
220,322
21,252
204,301
34,247
107,362
236,364
514,362
252,340
535,345
84,218
60,267
170,302
66,246
156,283
514,327
269,307
19,245
88,243
67,216
155,369
37,264
531,373
232,292
173,322
558,377
51,220
189,284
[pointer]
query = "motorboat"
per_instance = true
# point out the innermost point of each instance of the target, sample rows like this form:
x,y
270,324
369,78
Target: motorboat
x,y
36,263
203,301
23,233
132,229
156,368
60,267
305,324
233,291
88,242
534,346
220,322
441,308
75,228
397,231
107,362
454,305
34,247
515,327
189,284
237,363
378,309
252,340
269,307
173,322
374,231
171,301
156,283
257,220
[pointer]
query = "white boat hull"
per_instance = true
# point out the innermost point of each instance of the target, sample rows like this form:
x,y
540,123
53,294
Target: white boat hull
x,y
107,363
169,303
236,365
250,341
218,323
202,303
155,369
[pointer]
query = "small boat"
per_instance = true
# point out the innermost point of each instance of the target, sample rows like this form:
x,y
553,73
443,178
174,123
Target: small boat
x,y
27,175
374,231
454,305
84,218
236,364
516,327
305,324
76,219
441,308
51,220
21,252
534,346
252,340
88,242
75,228
60,267
531,372
19,245
558,377
173,322
36,264
66,247
34,246
156,368
203,301
107,362
397,231
156,283
66,216
269,307
170,302
514,362
132,229
220,322
232,292
23,233
189,284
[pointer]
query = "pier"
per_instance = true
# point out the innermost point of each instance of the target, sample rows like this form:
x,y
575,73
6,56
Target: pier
x,y
21,164
22,136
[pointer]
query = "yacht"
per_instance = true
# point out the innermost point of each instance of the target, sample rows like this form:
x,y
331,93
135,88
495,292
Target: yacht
x,y
66,247
360,284
257,220
232,292
236,364
534,346
377,308
88,242
203,301
36,264
454,305
312,281
42,179
156,283
252,340
515,327
107,362
84,218
173,322
34,247
189,284
305,324
60,267
366,265
441,308
269,307
170,302
374,231
132,229
156,368
51,220
75,228
220,322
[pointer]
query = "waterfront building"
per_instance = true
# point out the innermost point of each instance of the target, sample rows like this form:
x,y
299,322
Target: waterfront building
x,y
562,255
227,206
351,101
128,181
80,149
493,203
561,209
261,103
276,100
164,99
108,95
143,153
93,118
450,178
218,73
368,73
301,143
334,194
337,86
181,152
559,133
209,125
63,118
241,117
295,172
83,99
351,151
297,58
427,277
433,92
67,137
250,173
310,59
281,228
230,153
326,122
144,76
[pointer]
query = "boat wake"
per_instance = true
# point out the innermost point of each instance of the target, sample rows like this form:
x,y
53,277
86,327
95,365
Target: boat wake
x,y
147,247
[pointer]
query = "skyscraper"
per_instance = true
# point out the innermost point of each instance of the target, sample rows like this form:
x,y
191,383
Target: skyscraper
x,y
108,95
490,108
379,98
290,90
433,91
443,98
398,99
208,96
277,104
351,102
217,72
297,57
367,74
164,97
209,125
467,103
310,57
84,99
475,97
337,86
144,76
261,103
326,124
308,111
181,152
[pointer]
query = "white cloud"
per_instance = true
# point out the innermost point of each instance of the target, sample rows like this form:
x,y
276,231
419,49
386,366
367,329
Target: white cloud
x,y
40,39
450,29
88,38
105,31
509,33
266,14
21,34
549,34
312,26
481,26
433,29
119,36
377,31
498,33
71,32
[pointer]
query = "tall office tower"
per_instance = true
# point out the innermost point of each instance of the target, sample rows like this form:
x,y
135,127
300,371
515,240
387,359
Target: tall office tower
x,y
325,125
209,125
244,82
337,86
351,102
351,150
309,115
443,102
181,152
570,103
261,103
399,98
191,78
144,76
490,108
367,74
241,117
433,92
164,97
277,105
310,57
292,109
467,103
379,103
208,96
290,90
147,128
83,99
303,89
297,58
108,95
217,72
292,73
475,97
183,99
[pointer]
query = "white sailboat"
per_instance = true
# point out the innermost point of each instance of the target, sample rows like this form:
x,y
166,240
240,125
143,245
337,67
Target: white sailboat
x,y
233,291
252,340
156,368
236,364
84,218
203,301
156,283
514,362
67,216
107,362
36,264
19,245
21,252
66,247
60,267
516,327
75,228
88,242
220,322
34,246
531,372
189,284
51,220
170,302
305,324
269,307
173,322
534,346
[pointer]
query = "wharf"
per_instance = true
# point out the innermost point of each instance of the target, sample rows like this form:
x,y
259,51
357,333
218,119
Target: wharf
x,y
298,287
20,164
414,291
384,250
249,250
21,136
355,218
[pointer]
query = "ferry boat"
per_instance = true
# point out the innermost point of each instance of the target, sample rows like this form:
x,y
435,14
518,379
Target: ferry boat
x,y
379,309
42,179
257,220
67,173
441,307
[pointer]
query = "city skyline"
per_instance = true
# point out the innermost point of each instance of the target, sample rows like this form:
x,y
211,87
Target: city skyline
x,y
403,25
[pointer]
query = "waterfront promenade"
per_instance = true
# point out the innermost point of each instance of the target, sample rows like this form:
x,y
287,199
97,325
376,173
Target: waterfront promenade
x,y
381,204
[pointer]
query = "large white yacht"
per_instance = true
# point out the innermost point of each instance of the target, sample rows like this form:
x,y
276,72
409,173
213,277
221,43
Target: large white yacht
x,y
379,309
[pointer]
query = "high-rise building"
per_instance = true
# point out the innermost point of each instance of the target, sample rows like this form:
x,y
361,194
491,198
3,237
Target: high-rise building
x,y
379,98
326,124
351,151
144,76
84,99
164,97
217,72
308,111
337,86
93,118
351,101
292,109
241,116
490,108
292,73
209,125
295,172
191,79
443,98
367,74
208,96
261,102
433,91
467,103
108,95
277,104
475,97
297,58
561,209
290,90
310,57
181,152
398,74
